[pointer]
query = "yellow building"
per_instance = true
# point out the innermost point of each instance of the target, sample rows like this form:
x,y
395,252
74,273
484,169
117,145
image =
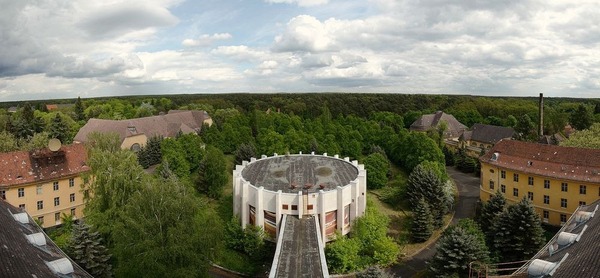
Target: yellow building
x,y
45,183
557,179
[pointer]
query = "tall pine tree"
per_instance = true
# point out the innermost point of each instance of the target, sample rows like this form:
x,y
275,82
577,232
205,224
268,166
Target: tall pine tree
x,y
88,251
489,214
456,249
424,182
422,224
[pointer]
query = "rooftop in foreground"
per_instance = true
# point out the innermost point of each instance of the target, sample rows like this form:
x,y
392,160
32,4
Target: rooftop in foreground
x,y
293,173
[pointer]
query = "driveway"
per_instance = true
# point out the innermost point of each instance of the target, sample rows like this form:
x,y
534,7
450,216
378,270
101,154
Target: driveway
x,y
468,190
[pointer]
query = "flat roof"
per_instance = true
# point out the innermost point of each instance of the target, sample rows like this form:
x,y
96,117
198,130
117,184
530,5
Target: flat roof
x,y
300,256
293,173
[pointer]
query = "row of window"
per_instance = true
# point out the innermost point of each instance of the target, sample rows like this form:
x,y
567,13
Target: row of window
x,y
564,187
546,214
40,219
563,201
21,191
40,204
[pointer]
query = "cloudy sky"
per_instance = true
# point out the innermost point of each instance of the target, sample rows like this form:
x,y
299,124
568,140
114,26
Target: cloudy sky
x,y
70,48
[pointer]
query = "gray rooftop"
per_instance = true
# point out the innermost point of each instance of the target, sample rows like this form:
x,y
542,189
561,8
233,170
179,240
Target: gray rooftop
x,y
299,250
293,173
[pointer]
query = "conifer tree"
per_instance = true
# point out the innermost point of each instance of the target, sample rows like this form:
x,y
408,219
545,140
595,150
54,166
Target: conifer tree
x,y
245,151
422,224
89,252
59,129
518,233
489,214
79,110
424,183
458,247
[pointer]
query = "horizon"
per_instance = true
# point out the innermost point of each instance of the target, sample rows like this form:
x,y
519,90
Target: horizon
x,y
165,47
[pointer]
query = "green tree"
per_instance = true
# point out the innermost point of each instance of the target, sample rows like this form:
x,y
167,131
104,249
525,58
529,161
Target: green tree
x,y
587,138
245,151
212,173
582,118
150,153
8,142
424,183
417,147
59,129
165,231
174,154
104,142
193,149
79,110
342,255
89,252
422,225
526,129
374,272
489,213
377,167
456,249
371,231
518,233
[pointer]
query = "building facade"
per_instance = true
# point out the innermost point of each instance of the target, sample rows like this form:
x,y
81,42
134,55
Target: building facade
x,y
556,179
329,188
481,137
44,183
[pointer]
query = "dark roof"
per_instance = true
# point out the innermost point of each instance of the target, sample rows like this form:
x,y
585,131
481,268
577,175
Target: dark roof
x,y
299,254
429,121
281,172
583,258
488,133
23,167
567,163
553,139
19,257
168,125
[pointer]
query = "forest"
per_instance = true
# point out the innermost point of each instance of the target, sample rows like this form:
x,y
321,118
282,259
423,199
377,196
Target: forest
x,y
176,217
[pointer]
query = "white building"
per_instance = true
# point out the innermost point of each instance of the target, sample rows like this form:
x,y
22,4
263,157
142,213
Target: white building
x,y
329,188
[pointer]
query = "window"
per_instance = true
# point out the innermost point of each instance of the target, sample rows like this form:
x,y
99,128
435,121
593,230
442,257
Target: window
x,y
582,189
503,174
21,192
38,189
516,192
563,203
55,185
136,147
547,184
546,215
491,184
3,194
582,203
294,207
71,182
73,212
563,218
530,180
40,220
40,205
22,206
503,188
57,217
285,206
516,177
309,207
56,201
546,199
530,196
72,199
564,187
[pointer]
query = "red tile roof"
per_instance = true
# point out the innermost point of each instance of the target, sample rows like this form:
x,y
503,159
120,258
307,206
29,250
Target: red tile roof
x,y
567,163
24,167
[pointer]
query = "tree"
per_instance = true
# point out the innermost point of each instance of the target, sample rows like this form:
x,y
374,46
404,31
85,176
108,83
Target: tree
x,y
150,154
424,183
489,213
342,255
422,225
377,167
371,231
8,142
165,231
587,138
526,129
59,129
193,149
417,147
174,154
89,252
456,249
212,173
582,118
374,272
245,151
104,142
518,233
79,110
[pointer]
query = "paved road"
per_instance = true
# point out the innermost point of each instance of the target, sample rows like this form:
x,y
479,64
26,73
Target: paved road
x,y
468,188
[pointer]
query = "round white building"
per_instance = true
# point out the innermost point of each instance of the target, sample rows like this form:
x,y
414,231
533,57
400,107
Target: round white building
x,y
329,188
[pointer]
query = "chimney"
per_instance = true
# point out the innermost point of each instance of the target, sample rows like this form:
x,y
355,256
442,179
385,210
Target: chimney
x,y
541,116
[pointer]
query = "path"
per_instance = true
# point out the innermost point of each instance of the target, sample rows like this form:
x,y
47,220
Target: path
x,y
468,188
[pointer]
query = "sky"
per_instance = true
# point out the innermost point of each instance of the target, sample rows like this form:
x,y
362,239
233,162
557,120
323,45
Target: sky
x,y
70,48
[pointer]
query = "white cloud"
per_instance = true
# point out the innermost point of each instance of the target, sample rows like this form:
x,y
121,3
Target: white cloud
x,y
301,3
206,39
304,33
